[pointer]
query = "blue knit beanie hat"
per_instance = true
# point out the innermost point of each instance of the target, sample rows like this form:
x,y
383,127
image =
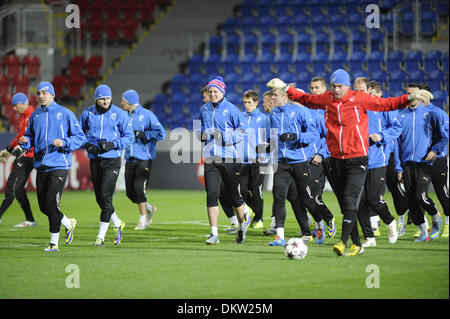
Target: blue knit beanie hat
x,y
19,98
131,96
46,86
218,83
102,91
340,77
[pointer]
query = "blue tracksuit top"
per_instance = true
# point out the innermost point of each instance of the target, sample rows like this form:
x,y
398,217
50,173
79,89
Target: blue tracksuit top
x,y
321,146
421,133
110,126
387,125
144,120
226,118
47,124
442,118
294,119
255,122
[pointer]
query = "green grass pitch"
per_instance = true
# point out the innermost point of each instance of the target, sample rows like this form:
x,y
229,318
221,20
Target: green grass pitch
x,y
169,260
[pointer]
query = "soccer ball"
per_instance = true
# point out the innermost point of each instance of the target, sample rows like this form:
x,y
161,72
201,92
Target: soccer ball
x,y
295,248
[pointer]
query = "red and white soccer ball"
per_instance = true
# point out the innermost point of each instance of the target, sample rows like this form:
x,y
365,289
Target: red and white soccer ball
x,y
295,248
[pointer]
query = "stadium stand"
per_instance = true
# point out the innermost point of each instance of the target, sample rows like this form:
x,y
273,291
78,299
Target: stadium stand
x,y
292,39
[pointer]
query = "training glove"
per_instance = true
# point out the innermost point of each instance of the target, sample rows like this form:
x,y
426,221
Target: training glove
x,y
105,147
421,95
91,148
288,137
140,135
17,151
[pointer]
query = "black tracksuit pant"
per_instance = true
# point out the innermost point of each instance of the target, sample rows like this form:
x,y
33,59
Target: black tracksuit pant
x,y
348,177
417,177
137,173
439,173
251,182
49,189
400,203
218,173
15,187
104,173
299,173
372,200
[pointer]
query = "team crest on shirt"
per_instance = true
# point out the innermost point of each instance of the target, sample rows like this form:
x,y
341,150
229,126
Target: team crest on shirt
x,y
425,115
225,112
141,118
292,115
352,99
59,115
258,119
114,116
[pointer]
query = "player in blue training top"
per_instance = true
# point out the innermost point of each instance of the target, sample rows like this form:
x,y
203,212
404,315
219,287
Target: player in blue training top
x,y
222,129
108,131
140,154
54,132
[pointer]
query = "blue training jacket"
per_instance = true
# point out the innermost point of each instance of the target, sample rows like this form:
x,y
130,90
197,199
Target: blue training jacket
x,y
255,129
442,118
50,123
421,133
294,119
227,119
320,147
110,126
144,120
387,125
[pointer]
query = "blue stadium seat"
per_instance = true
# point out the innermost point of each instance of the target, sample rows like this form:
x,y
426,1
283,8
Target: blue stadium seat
x,y
397,76
379,76
436,75
356,61
340,41
394,61
286,41
358,39
268,42
432,60
416,77
413,60
387,22
322,41
375,61
233,43
395,86
250,42
284,66
215,45
442,8
338,61
377,37
428,23
304,42
195,63
248,23
320,62
445,62
232,24
440,97
407,23
230,62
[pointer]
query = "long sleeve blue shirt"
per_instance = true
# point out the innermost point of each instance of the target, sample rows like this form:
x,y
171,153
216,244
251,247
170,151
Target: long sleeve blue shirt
x,y
50,123
110,126
144,120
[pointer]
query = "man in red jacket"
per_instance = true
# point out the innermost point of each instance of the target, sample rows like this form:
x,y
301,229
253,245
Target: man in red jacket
x,y
348,142
23,164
